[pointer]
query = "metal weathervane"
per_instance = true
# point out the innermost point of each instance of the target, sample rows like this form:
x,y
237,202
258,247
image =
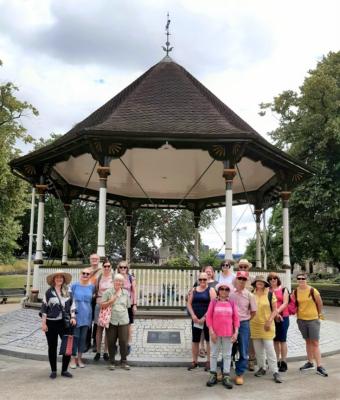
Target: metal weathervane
x,y
167,47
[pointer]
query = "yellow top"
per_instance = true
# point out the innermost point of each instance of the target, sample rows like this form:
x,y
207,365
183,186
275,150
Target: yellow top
x,y
262,315
307,309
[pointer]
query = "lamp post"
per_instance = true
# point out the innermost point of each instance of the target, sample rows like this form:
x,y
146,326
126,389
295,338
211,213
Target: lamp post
x,y
238,239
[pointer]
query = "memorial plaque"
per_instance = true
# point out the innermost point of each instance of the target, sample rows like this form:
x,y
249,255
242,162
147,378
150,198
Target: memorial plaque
x,y
169,337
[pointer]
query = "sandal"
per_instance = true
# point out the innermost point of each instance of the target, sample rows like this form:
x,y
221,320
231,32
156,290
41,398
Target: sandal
x,y
193,366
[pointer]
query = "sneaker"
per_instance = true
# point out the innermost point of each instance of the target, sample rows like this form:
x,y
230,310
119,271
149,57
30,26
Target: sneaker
x,y
277,377
97,357
112,367
193,366
251,365
81,364
106,357
227,382
125,366
73,365
283,366
307,366
66,374
53,375
321,371
212,379
239,380
128,349
260,372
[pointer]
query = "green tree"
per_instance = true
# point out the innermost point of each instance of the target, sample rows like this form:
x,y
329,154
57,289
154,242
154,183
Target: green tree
x,y
13,191
309,129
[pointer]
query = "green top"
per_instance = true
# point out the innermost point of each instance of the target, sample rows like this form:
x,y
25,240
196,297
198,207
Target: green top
x,y
119,310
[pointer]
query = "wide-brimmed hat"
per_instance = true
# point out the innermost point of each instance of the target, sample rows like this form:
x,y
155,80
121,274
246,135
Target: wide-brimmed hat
x,y
66,275
260,278
244,261
223,284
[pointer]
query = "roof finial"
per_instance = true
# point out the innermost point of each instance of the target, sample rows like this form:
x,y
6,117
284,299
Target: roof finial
x,y
167,49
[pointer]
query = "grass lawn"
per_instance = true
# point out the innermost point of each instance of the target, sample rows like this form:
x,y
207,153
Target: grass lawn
x,y
12,281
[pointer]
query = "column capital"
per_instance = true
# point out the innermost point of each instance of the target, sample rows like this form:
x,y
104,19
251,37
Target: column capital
x,y
103,172
67,207
285,196
229,174
41,189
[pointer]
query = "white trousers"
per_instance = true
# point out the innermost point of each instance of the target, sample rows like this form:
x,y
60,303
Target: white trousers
x,y
264,348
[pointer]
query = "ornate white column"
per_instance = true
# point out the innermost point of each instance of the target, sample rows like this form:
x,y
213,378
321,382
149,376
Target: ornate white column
x,y
40,225
103,173
64,258
285,227
264,236
258,213
128,236
228,174
197,239
30,245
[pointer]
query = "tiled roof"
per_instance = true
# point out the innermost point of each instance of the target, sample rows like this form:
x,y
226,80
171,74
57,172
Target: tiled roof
x,y
166,100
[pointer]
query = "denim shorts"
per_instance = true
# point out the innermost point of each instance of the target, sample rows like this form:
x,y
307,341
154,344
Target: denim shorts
x,y
309,329
281,329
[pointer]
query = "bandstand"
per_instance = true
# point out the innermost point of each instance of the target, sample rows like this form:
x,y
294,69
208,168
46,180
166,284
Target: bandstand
x,y
165,141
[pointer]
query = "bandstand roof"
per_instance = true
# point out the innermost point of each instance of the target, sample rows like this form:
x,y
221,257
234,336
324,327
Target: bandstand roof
x,y
164,137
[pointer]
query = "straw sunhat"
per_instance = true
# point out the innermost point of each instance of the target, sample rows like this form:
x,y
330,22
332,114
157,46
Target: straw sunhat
x,y
66,275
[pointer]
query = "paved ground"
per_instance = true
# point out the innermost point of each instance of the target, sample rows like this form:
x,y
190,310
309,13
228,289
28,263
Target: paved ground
x,y
20,335
28,379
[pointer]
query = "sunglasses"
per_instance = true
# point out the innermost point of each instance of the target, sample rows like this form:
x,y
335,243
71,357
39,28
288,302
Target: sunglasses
x,y
85,273
242,266
122,267
202,279
106,266
241,279
225,265
224,289
300,279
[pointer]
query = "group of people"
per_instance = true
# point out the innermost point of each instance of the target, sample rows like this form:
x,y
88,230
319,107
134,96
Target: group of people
x,y
75,308
231,314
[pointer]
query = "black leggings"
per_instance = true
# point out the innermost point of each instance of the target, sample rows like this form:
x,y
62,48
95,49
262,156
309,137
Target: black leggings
x,y
55,329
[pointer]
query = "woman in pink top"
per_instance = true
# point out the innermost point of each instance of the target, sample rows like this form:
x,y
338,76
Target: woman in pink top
x,y
281,320
223,323
103,282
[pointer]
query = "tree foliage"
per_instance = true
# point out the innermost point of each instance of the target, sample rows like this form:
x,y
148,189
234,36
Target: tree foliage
x,y
309,129
13,191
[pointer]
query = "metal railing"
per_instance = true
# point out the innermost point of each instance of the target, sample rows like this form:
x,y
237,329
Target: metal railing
x,y
157,286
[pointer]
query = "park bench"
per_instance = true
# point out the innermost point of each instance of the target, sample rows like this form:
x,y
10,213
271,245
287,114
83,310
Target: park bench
x,y
329,295
11,292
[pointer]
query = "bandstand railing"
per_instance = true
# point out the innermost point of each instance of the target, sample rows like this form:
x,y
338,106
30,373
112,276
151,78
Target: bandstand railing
x,y
157,286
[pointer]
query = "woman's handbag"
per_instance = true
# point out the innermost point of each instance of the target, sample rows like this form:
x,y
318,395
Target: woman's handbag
x,y
68,345
104,317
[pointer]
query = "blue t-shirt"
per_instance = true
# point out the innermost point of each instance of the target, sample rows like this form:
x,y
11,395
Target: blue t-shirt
x,y
82,296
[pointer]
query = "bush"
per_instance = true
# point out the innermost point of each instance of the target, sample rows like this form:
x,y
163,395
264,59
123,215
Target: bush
x,y
178,262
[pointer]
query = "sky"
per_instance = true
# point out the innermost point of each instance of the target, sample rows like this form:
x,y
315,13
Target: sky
x,y
69,57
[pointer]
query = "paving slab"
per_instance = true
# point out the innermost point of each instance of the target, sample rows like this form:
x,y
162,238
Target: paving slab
x,y
21,336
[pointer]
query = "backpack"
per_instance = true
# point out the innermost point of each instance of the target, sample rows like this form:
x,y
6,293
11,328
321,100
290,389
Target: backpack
x,y
270,299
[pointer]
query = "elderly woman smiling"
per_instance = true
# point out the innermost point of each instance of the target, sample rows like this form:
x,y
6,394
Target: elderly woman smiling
x,y
118,299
